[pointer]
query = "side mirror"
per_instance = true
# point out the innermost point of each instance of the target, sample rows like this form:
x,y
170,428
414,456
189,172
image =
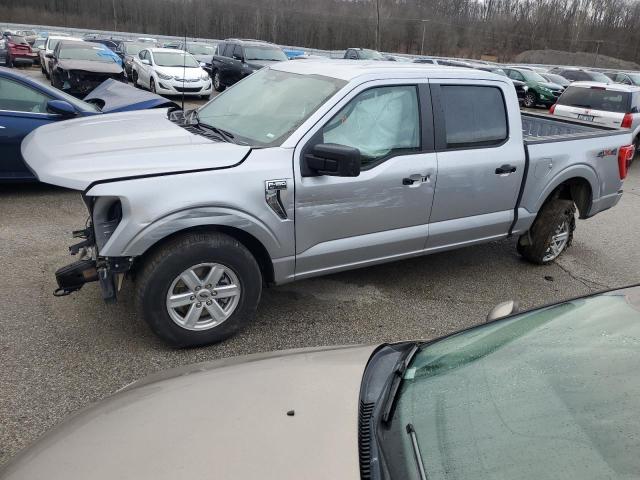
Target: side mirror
x,y
334,160
146,62
60,107
49,55
634,110
503,309
238,57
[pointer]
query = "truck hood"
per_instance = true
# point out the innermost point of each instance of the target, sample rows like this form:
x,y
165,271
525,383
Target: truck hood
x,y
76,153
223,420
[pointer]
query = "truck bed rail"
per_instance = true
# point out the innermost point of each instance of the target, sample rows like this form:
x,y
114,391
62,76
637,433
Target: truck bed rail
x,y
542,128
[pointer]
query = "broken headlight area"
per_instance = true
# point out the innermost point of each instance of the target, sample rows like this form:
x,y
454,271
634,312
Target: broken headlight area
x,y
106,215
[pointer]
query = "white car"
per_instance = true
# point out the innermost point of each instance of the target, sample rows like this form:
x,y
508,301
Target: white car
x,y
611,105
48,48
168,71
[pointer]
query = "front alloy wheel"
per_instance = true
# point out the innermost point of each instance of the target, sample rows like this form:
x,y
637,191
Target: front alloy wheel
x,y
217,82
203,296
198,288
530,100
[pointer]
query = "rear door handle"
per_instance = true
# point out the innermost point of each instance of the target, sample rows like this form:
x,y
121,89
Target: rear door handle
x,y
505,170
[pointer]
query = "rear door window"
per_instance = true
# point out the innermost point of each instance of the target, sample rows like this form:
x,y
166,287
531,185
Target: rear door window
x,y
596,98
474,116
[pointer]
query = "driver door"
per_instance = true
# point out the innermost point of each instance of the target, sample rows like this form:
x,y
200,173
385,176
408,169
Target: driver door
x,y
382,214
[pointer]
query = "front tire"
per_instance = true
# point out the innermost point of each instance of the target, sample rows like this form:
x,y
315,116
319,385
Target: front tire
x,y
551,233
199,289
152,85
530,100
217,82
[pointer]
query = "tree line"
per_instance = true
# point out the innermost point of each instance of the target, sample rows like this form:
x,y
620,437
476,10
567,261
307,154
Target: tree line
x,y
464,28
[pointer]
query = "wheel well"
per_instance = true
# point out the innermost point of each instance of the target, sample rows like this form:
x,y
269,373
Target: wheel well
x,y
252,244
576,189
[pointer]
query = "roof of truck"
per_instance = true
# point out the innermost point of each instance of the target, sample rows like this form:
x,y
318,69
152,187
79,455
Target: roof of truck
x,y
350,69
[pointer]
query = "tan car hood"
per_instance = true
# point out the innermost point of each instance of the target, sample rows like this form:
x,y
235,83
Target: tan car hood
x,y
218,420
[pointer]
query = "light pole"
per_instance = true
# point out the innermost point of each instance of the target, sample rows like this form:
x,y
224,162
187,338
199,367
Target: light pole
x,y
378,25
595,60
424,28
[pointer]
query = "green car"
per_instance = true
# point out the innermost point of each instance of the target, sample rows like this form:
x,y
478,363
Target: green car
x,y
539,90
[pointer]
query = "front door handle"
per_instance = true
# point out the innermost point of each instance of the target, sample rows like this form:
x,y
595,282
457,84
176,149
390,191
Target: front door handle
x,y
416,179
505,170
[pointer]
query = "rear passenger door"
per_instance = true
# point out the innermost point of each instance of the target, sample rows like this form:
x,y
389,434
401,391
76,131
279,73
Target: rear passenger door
x,y
481,161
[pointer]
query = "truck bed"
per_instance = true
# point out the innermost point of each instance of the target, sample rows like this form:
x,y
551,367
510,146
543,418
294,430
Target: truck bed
x,y
543,128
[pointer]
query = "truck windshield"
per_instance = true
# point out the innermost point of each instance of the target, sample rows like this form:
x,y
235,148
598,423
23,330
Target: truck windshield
x,y
267,106
596,98
552,393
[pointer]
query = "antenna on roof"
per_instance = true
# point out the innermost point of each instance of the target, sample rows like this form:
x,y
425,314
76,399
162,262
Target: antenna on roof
x,y
184,58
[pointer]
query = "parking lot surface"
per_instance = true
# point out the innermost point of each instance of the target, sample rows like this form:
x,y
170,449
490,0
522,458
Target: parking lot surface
x,y
60,354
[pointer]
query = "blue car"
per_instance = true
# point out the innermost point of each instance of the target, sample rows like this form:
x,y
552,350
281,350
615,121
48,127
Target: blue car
x,y
26,104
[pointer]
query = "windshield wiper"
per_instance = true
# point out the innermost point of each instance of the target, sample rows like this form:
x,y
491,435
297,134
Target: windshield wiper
x,y
396,380
580,105
416,451
227,136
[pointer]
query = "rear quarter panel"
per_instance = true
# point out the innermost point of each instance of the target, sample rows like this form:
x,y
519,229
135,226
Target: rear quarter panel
x,y
592,159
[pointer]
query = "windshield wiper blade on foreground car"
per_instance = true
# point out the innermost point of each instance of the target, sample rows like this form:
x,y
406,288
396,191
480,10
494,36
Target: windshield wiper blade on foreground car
x,y
396,380
416,451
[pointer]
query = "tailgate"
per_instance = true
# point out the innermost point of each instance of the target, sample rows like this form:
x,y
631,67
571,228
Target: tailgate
x,y
591,159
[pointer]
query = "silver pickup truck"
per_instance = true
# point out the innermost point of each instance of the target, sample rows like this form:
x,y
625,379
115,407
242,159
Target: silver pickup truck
x,y
312,167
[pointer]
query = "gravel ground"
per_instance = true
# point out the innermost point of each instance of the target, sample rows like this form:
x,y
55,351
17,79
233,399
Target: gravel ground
x,y
60,354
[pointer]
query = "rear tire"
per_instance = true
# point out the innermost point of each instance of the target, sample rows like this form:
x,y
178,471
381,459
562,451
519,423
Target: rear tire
x,y
160,282
551,233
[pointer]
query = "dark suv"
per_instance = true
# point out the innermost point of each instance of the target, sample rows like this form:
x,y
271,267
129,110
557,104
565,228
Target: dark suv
x,y
236,58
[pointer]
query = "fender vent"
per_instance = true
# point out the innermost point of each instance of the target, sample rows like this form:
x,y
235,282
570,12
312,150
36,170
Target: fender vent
x,y
364,439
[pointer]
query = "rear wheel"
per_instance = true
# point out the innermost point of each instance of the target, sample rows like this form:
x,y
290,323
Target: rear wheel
x,y
217,82
199,289
551,233
530,99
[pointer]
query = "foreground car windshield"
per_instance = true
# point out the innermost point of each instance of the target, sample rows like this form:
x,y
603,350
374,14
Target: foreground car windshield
x,y
553,393
264,53
267,119
175,59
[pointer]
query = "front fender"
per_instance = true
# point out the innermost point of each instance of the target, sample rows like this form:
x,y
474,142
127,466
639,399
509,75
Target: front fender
x,y
199,217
